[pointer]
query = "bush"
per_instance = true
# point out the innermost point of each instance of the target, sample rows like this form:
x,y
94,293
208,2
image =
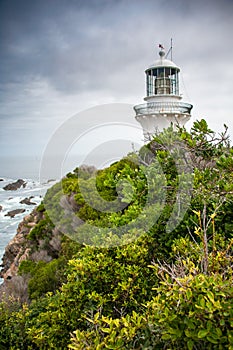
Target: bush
x,y
123,297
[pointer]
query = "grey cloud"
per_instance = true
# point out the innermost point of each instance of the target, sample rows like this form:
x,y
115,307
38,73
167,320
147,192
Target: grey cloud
x,y
97,50
78,45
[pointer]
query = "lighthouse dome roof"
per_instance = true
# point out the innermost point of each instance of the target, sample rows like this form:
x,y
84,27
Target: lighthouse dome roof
x,y
163,62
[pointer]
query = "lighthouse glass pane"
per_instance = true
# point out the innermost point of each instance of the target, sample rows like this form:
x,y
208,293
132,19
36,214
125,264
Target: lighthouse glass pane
x,y
173,71
160,72
174,83
162,82
173,86
177,83
149,83
167,72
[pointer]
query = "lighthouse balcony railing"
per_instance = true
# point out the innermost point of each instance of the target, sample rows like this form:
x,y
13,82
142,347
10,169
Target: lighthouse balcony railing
x,y
163,107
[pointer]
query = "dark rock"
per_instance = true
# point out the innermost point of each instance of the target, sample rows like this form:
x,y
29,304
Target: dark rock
x,y
51,180
1,179
15,185
14,212
27,201
0,207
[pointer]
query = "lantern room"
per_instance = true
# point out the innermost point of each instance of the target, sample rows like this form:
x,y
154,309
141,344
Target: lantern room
x,y
162,78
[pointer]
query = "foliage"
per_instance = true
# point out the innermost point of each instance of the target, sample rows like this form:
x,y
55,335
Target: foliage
x,y
149,288
13,325
189,310
42,229
114,281
46,277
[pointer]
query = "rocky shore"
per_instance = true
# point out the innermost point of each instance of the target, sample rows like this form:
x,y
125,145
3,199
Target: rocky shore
x,y
22,248
18,248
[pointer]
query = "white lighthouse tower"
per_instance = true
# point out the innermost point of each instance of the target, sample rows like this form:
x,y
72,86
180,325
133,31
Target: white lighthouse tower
x,y
163,105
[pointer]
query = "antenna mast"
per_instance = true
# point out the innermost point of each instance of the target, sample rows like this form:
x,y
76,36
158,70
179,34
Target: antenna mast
x,y
170,51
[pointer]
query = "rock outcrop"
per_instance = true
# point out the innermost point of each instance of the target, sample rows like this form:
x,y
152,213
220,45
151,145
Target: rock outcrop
x,y
14,186
21,248
14,212
16,249
27,201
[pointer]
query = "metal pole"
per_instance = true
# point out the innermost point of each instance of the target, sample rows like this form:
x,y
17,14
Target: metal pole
x,y
171,49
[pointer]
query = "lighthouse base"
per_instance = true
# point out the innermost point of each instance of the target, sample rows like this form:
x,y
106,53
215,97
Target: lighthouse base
x,y
154,123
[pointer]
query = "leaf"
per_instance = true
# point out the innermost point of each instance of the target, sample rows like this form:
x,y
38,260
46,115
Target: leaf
x,y
211,296
188,333
212,216
202,333
96,317
198,213
190,344
212,340
219,332
189,293
166,336
105,330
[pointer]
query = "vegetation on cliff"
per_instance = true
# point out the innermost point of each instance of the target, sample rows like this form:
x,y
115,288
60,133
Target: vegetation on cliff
x,y
152,272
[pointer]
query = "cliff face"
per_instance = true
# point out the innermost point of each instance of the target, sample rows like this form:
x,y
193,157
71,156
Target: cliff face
x,y
18,248
23,247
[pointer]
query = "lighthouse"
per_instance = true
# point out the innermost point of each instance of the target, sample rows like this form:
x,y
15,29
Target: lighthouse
x,y
164,105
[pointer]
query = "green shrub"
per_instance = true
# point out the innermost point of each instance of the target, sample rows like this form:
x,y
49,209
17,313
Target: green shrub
x,y
46,277
27,267
155,289
42,229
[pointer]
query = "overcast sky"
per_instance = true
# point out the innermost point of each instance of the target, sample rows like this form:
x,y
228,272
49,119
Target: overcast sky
x,y
59,57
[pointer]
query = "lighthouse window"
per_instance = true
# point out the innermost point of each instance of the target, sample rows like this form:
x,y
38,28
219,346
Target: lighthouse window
x,y
160,72
149,82
154,72
167,72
